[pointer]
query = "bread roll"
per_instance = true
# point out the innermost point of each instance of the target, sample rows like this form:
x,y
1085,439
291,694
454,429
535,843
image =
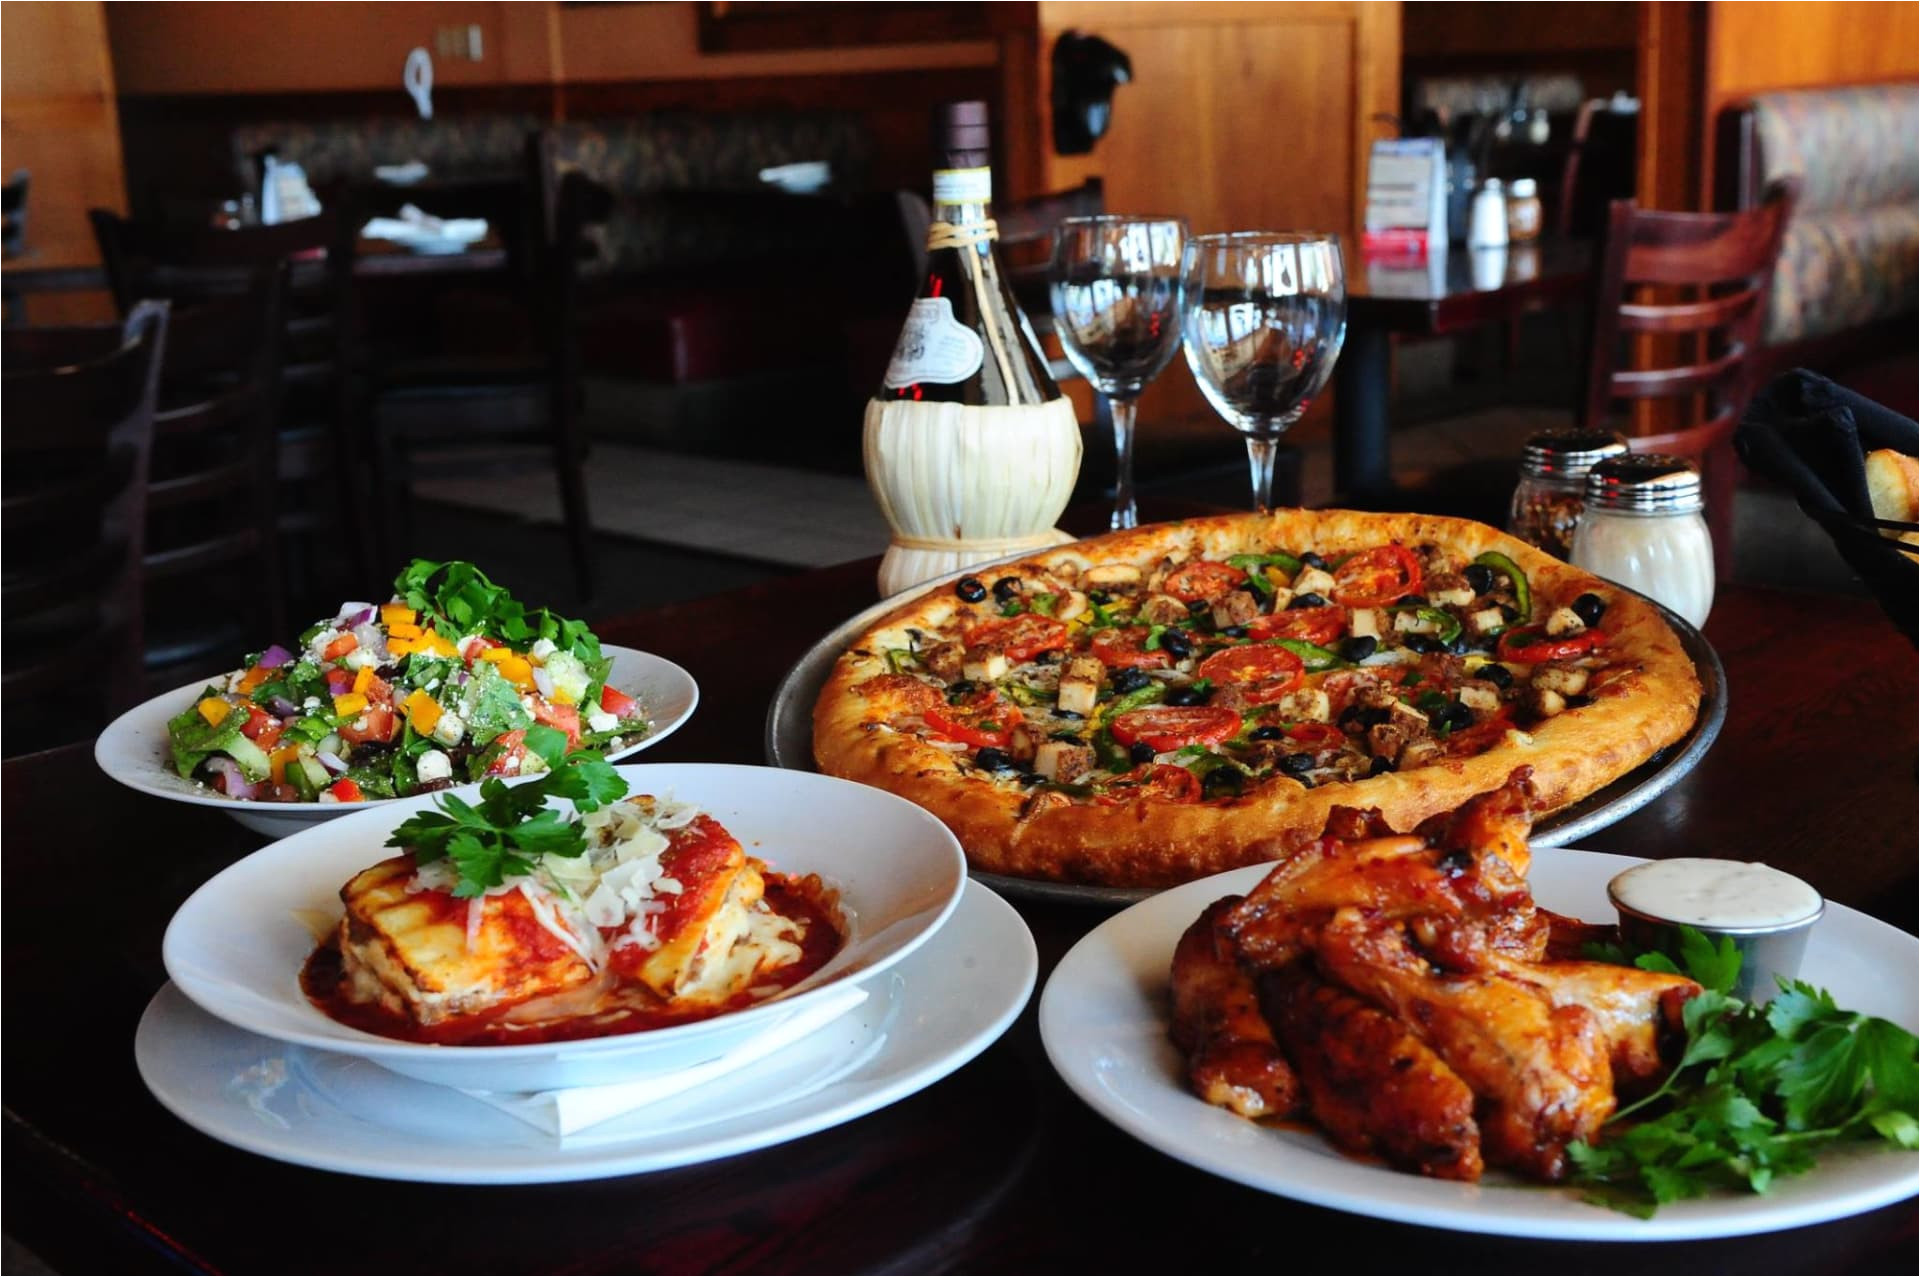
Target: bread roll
x,y
1893,485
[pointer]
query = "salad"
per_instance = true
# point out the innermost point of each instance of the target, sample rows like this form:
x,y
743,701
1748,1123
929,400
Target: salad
x,y
439,686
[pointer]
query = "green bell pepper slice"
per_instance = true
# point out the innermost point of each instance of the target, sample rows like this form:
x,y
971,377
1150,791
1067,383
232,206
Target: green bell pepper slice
x,y
1522,591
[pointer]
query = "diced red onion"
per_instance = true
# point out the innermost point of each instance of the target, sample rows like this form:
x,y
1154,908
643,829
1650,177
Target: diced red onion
x,y
233,782
282,707
352,614
274,657
543,681
330,761
370,638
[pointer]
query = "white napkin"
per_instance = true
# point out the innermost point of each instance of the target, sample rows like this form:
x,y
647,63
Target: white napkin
x,y
414,226
573,1109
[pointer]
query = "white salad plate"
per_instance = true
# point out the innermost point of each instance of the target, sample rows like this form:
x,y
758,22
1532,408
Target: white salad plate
x,y
1104,1020
237,945
133,750
925,1017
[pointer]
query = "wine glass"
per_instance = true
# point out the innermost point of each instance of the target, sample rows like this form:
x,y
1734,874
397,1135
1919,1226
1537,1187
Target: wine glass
x,y
1266,312
1116,305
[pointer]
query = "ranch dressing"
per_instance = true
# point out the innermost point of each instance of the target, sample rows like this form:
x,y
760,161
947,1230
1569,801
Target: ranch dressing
x,y
1642,527
1723,895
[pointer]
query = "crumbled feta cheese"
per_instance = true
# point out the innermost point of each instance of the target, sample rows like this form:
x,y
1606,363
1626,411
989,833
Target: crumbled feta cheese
x,y
432,766
602,722
542,649
312,702
450,728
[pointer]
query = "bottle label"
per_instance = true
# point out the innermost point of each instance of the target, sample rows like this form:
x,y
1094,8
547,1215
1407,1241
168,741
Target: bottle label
x,y
934,347
963,186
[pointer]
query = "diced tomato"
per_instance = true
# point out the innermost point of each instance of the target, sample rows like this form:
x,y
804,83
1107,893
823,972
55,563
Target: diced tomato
x,y
1530,646
1165,727
1021,637
1481,736
512,755
1197,582
564,717
1314,737
346,790
982,720
262,728
339,647
1123,647
1376,577
1157,782
1264,673
471,648
1317,625
618,703
377,724
339,680
254,678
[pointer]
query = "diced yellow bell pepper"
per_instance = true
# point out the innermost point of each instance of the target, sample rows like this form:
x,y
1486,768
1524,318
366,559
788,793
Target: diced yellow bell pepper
x,y
364,679
423,712
403,630
401,647
215,711
392,614
518,671
495,655
433,645
278,761
560,697
350,705
254,677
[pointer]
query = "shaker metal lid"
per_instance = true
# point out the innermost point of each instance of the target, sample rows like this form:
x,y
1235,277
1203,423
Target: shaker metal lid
x,y
1569,452
1646,483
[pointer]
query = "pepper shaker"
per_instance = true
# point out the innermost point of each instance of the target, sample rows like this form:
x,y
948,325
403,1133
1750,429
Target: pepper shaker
x,y
1553,484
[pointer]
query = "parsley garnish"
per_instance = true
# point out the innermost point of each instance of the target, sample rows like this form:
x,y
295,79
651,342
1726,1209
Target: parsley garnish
x,y
461,600
1758,1090
512,826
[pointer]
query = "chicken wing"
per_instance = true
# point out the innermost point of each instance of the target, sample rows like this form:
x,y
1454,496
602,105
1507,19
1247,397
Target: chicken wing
x,y
1232,1059
1541,1072
1369,1082
1638,1012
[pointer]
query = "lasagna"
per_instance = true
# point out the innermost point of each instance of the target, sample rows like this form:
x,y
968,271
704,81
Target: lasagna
x,y
665,918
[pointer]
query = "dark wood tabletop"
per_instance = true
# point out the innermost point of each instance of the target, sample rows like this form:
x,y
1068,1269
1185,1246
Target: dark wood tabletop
x,y
996,1168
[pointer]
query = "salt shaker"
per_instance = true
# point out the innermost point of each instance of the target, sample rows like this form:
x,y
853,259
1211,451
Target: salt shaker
x,y
1553,485
1487,226
1642,527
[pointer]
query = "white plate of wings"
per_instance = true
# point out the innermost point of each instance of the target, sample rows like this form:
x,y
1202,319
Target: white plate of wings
x,y
1104,1020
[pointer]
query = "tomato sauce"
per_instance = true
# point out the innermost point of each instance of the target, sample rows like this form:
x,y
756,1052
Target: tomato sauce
x,y
623,1006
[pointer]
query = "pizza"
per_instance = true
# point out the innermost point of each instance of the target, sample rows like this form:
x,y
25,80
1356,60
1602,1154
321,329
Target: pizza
x,y
1166,702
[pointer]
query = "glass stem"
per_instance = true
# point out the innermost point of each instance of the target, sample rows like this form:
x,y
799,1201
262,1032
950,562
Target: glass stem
x,y
1126,514
1261,450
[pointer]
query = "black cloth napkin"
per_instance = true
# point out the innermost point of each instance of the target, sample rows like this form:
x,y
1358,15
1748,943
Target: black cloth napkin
x,y
1803,431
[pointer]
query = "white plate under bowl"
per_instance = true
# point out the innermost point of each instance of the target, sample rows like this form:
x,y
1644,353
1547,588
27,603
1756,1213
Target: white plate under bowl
x,y
133,750
935,1010
1104,1020
236,946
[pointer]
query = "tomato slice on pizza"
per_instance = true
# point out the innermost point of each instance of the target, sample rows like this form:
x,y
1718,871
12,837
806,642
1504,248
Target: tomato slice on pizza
x,y
1264,673
1165,727
1021,637
1376,577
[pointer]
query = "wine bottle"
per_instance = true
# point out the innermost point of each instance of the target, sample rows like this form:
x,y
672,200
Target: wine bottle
x,y
971,449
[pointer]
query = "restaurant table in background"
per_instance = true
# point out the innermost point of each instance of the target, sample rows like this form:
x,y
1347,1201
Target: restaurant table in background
x,y
1417,297
995,1168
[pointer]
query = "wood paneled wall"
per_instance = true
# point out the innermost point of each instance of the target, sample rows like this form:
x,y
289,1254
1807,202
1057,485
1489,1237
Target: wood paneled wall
x,y
1240,116
57,120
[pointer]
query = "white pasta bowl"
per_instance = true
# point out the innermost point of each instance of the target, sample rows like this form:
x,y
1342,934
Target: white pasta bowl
x,y
236,947
133,749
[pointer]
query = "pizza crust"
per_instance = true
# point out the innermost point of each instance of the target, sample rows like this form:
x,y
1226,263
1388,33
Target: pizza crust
x,y
1651,702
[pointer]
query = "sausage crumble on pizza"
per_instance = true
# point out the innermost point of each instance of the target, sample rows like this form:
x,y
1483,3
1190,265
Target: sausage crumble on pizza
x,y
1158,704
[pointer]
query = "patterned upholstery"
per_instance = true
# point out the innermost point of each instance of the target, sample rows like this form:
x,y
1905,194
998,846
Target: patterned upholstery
x,y
331,150
1852,250
687,187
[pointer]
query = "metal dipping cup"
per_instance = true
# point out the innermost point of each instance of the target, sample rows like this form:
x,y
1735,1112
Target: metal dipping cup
x,y
1765,951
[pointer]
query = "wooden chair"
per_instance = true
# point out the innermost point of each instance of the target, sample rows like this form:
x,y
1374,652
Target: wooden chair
x,y
1712,272
497,414
78,435
320,502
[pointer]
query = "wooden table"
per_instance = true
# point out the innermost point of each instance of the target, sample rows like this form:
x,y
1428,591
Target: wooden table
x,y
998,1167
1466,289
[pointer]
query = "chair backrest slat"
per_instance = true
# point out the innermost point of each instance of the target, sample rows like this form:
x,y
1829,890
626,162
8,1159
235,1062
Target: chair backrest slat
x,y
79,426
